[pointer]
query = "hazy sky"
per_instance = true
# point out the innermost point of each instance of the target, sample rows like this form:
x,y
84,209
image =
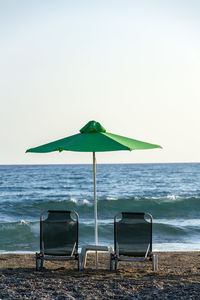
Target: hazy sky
x,y
134,66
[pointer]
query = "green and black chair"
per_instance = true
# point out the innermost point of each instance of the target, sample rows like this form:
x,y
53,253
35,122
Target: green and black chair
x,y
58,237
133,239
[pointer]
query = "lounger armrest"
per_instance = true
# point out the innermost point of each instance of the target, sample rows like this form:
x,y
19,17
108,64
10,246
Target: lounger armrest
x,y
42,250
117,249
147,251
73,249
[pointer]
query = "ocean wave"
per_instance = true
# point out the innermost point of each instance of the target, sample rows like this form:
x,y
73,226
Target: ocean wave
x,y
163,233
18,224
24,235
19,235
78,202
168,207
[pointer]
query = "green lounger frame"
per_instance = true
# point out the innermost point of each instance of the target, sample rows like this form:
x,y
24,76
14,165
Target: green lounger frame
x,y
58,237
133,239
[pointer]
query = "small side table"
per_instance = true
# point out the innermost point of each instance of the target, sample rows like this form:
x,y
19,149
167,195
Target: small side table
x,y
95,248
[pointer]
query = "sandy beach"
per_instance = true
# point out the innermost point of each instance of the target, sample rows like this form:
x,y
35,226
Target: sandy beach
x,y
178,277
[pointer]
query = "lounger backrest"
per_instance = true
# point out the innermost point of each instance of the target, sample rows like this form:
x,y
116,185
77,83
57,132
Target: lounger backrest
x,y
59,233
133,234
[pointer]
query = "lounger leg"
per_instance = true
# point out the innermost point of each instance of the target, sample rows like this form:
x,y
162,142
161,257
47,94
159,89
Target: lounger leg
x,y
79,263
96,258
37,264
116,264
111,262
85,259
81,258
155,262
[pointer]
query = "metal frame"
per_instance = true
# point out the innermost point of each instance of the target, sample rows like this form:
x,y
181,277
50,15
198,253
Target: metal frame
x,y
41,257
86,248
115,257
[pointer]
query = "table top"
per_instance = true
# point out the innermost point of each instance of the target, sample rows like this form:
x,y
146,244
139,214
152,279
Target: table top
x,y
96,247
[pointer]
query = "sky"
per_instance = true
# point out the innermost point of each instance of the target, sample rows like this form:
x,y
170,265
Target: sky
x,y
132,65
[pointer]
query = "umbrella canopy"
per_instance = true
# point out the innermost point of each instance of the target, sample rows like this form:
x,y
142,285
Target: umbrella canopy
x,y
93,138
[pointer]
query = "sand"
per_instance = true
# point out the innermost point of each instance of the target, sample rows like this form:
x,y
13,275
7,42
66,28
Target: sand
x,y
178,277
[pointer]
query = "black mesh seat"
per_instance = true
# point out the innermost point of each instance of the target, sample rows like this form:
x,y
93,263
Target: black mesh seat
x,y
58,237
133,239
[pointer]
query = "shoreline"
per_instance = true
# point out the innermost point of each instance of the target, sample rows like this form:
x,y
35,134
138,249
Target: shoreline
x,y
178,277
79,250
33,253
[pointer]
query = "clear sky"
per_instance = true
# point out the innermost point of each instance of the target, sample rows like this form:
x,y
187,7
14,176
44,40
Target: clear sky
x,y
134,66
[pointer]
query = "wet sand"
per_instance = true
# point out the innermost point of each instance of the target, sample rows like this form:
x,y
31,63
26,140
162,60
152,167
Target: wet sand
x,y
178,277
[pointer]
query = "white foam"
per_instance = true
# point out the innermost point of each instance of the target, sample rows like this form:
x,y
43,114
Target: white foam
x,y
176,247
81,202
17,252
87,202
173,197
178,222
74,200
22,222
100,222
111,198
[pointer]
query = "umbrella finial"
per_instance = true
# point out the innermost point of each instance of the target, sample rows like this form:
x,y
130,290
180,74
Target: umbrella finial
x,y
92,126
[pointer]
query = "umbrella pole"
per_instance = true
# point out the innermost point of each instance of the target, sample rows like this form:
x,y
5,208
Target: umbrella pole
x,y
95,200
95,207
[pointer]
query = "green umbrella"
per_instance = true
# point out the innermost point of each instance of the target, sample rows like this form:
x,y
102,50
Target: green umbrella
x,y
93,138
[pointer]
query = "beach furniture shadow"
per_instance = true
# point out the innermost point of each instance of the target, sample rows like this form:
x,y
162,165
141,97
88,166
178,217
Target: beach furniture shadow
x,y
58,237
133,239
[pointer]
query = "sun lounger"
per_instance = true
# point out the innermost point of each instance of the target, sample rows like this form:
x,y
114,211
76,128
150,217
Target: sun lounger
x,y
133,239
58,237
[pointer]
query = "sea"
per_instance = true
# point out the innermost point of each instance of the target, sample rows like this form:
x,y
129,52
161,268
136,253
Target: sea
x,y
168,191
